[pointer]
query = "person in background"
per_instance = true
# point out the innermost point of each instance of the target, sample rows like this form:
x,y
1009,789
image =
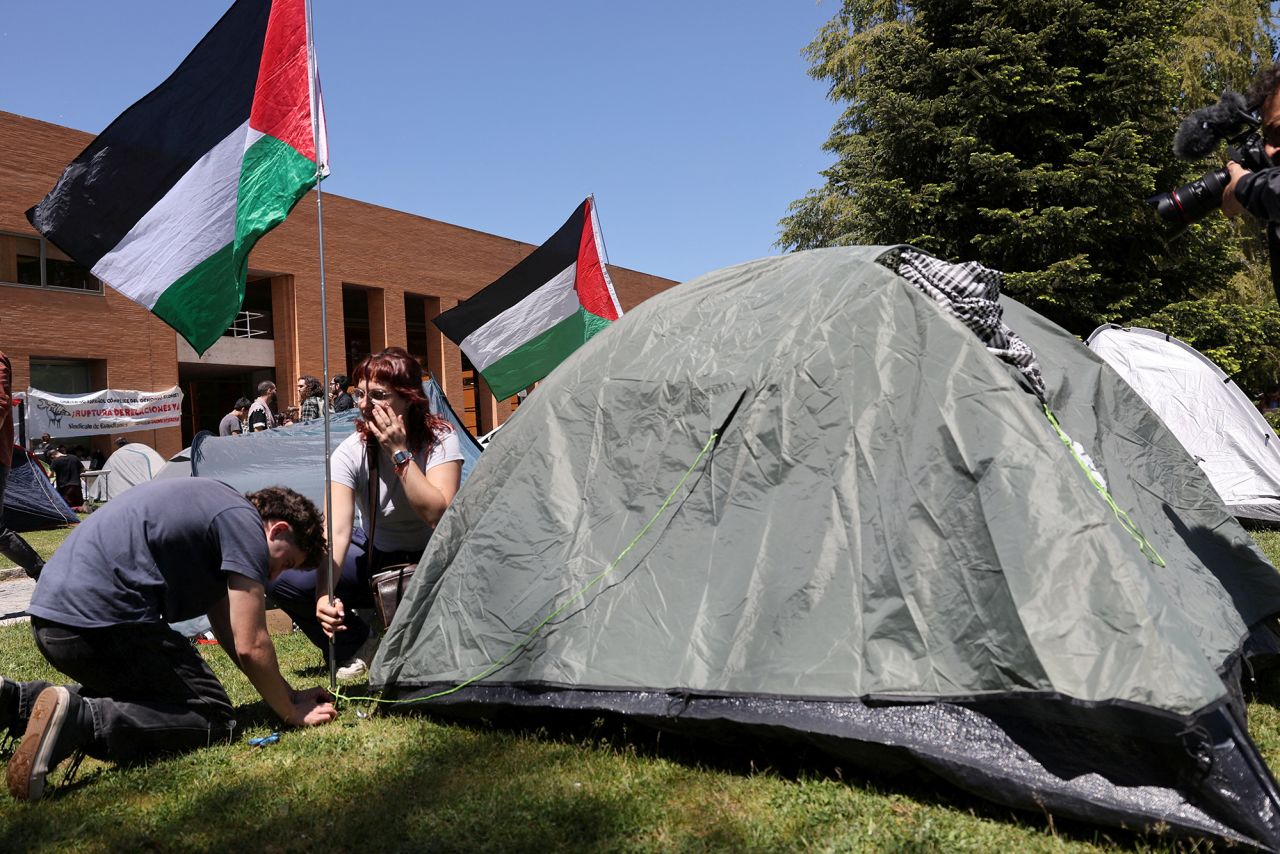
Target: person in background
x,y
12,546
163,552
232,423
311,395
416,461
342,401
44,448
66,476
260,415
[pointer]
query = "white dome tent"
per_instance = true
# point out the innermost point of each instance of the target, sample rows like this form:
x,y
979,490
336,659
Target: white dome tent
x,y
130,465
1205,410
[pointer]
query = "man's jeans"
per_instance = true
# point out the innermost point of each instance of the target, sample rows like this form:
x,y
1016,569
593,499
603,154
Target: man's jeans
x,y
12,546
146,686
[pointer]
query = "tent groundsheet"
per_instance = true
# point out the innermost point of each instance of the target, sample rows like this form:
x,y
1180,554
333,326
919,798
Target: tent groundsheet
x,y
796,500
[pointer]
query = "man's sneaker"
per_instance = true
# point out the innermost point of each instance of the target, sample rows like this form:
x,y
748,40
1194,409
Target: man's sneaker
x,y
353,669
53,734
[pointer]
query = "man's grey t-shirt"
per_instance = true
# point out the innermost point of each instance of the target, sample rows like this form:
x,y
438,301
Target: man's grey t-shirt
x,y
158,553
230,425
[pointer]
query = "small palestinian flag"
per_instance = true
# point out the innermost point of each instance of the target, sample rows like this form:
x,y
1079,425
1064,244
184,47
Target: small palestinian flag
x,y
166,204
516,330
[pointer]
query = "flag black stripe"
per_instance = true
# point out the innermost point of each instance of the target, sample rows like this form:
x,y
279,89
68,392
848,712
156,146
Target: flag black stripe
x,y
543,264
142,154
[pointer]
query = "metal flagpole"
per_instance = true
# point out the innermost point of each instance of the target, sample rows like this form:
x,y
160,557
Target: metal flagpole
x,y
317,105
330,575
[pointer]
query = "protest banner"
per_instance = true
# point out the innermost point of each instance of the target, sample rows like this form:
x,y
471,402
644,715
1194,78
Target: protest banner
x,y
108,411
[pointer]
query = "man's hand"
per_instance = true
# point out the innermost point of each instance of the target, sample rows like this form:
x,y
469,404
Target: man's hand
x,y
1230,204
330,616
312,707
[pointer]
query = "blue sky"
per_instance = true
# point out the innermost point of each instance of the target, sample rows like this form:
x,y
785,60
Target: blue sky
x,y
694,123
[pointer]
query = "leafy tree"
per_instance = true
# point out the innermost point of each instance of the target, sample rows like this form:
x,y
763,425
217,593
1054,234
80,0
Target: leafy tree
x,y
1024,134
1221,46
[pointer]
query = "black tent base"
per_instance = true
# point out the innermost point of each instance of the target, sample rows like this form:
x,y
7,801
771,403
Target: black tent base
x,y
1112,765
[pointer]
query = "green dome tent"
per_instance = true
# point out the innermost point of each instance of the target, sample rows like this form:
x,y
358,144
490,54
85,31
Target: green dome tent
x,y
887,550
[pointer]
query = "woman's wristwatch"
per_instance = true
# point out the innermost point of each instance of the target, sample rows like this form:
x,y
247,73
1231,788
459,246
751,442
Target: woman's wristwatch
x,y
401,459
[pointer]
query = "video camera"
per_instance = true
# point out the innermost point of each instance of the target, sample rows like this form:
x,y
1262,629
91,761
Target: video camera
x,y
1230,119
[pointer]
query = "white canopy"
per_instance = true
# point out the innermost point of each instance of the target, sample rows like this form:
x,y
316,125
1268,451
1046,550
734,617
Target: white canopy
x,y
1205,410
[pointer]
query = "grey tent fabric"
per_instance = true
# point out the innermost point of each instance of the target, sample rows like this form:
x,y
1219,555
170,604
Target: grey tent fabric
x,y
290,456
179,465
129,466
886,549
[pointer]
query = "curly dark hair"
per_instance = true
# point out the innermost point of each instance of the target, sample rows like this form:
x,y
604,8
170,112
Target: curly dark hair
x,y
396,369
1264,83
313,387
278,503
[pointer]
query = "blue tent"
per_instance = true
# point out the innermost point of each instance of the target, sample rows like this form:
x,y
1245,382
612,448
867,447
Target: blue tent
x,y
30,501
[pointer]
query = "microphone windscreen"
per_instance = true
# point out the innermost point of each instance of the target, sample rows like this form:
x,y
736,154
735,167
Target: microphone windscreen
x,y
1199,132
1193,140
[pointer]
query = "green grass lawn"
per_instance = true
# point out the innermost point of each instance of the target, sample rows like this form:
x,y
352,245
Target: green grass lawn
x,y
405,783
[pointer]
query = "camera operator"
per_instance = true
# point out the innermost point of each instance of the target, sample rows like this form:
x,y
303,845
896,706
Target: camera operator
x,y
1258,192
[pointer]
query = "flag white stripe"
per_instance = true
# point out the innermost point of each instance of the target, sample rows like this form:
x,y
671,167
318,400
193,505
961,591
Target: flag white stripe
x,y
319,133
524,321
600,253
193,221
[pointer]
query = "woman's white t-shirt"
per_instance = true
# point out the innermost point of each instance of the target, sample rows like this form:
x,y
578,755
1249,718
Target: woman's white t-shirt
x,y
399,527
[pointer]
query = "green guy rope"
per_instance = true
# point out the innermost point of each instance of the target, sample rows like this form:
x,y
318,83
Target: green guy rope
x,y
1128,524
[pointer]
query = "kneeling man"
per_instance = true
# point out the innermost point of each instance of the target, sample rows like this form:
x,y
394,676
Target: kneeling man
x,y
165,551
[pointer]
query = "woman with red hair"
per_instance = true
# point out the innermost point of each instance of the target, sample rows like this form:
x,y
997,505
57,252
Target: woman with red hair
x,y
401,468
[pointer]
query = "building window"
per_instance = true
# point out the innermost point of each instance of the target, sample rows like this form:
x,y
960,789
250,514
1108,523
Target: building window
x,y
255,319
68,376
356,328
470,398
37,263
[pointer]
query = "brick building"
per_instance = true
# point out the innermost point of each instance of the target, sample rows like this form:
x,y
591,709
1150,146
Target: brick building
x,y
387,274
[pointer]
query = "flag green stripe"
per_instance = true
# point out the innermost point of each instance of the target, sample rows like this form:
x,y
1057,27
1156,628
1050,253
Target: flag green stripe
x,y
273,179
538,356
202,303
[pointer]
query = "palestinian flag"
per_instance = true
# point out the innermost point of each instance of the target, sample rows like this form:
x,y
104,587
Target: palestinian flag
x,y
166,204
516,330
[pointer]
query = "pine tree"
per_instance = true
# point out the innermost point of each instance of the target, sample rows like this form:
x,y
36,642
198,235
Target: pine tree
x,y
1024,134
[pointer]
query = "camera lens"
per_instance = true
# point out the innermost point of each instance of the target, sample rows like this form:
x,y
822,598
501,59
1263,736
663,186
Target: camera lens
x,y
1192,202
